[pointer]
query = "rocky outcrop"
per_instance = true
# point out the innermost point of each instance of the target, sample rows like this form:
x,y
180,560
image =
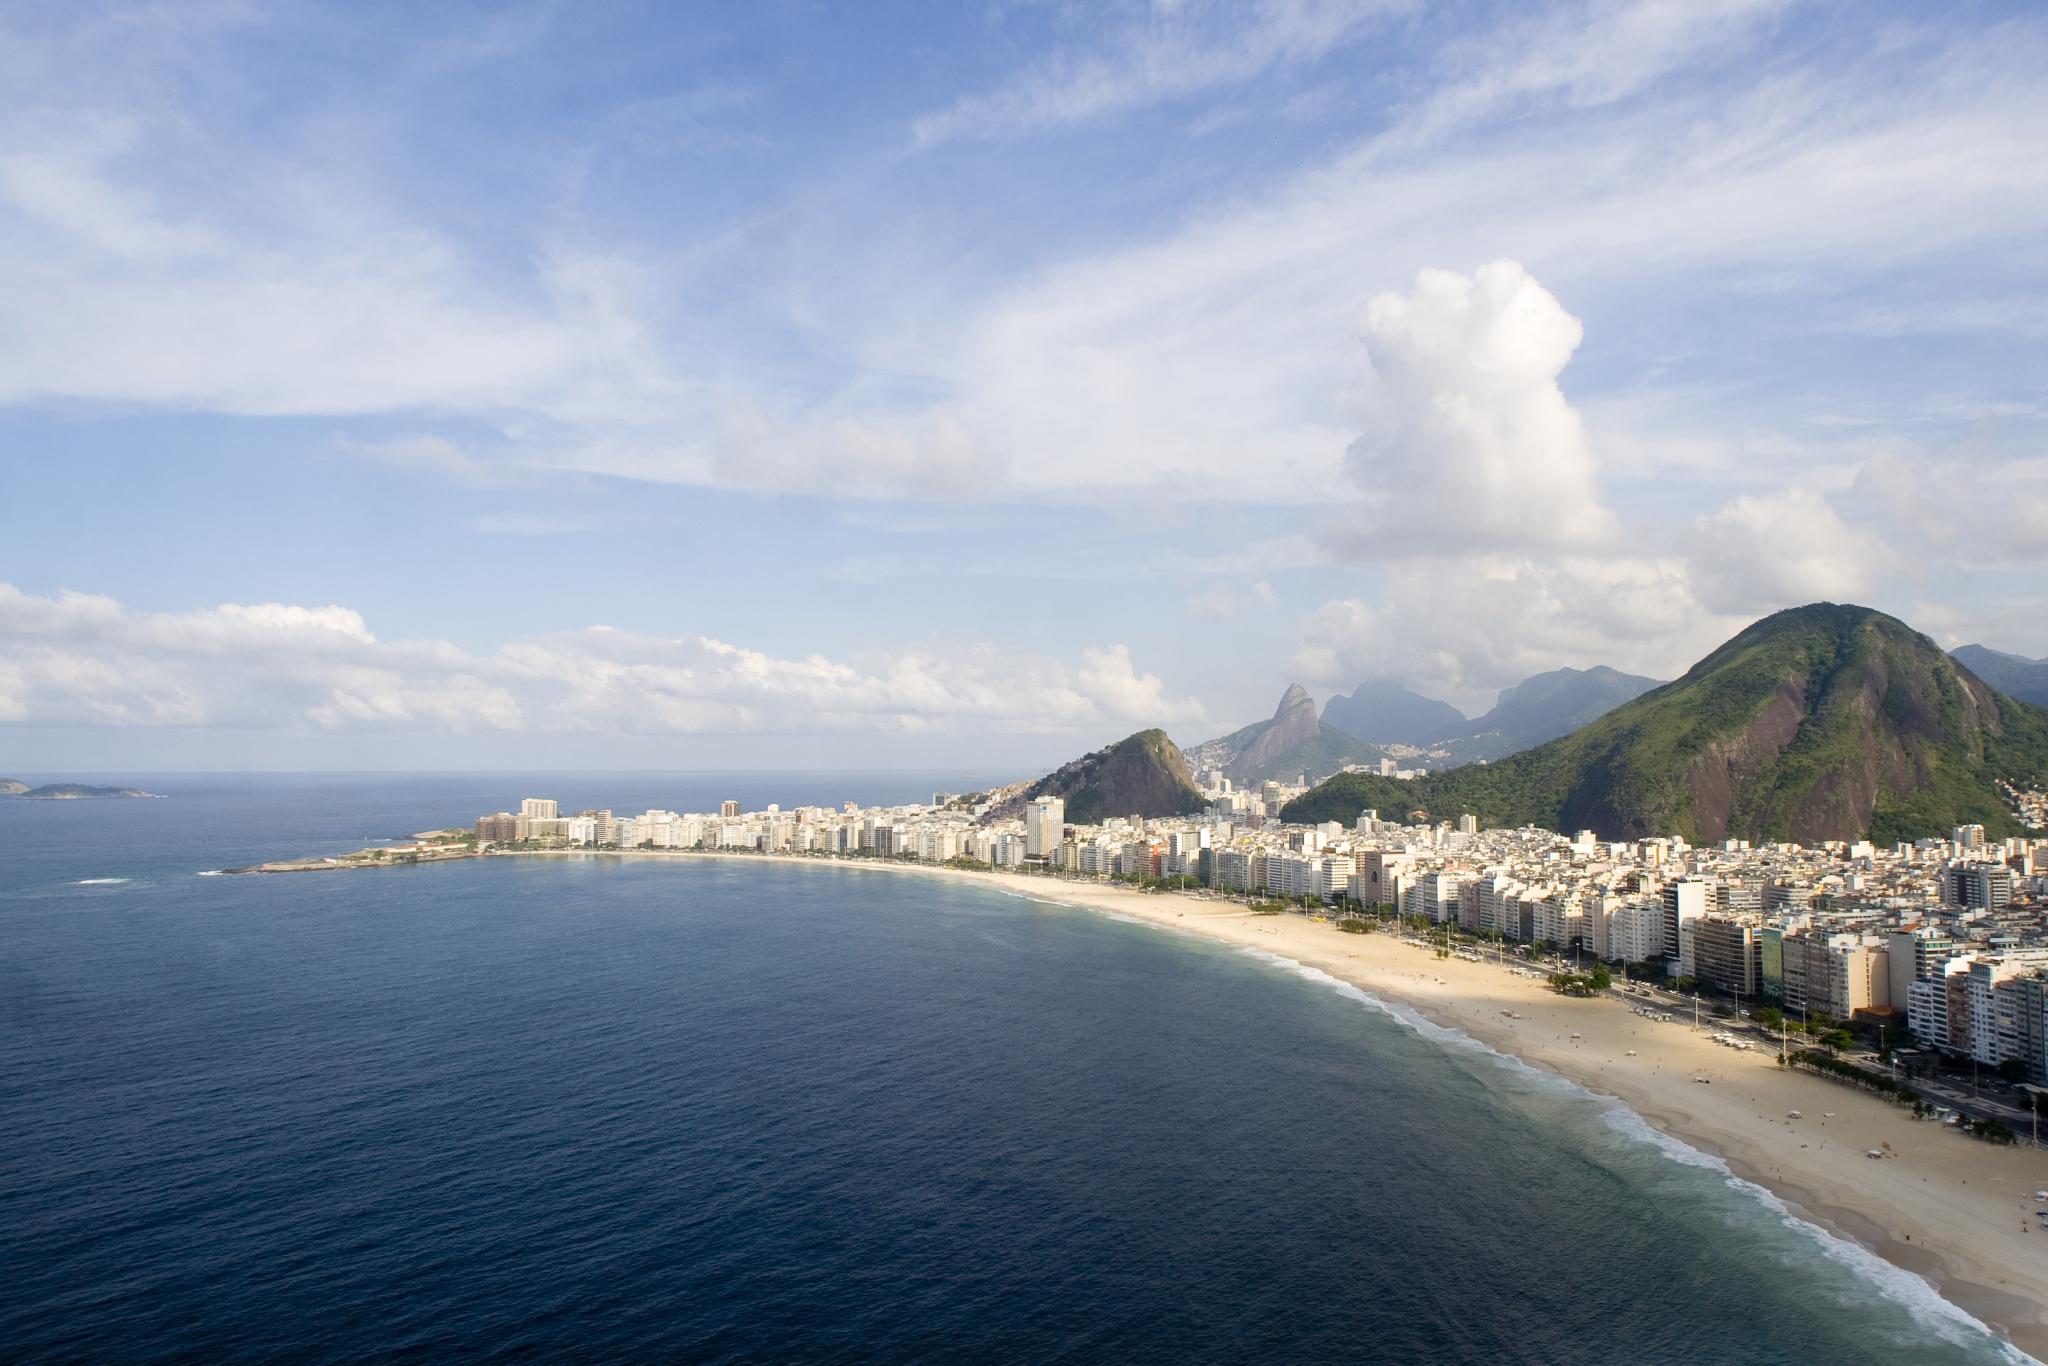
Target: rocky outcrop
x,y
1140,775
1293,741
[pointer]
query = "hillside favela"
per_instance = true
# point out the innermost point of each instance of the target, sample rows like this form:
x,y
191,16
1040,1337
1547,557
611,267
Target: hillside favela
x,y
1145,683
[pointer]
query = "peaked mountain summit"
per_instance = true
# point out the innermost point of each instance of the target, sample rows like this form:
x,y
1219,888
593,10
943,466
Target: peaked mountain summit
x,y
1140,775
1294,741
1820,722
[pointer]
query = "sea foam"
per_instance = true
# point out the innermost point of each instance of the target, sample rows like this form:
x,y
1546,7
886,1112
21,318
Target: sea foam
x,y
99,881
1911,1291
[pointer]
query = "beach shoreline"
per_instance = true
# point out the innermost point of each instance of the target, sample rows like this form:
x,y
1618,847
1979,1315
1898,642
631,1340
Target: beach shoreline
x,y
1949,1209
1946,1208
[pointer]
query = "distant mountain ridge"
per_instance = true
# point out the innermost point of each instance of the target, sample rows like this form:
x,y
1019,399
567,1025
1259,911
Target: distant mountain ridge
x,y
2013,675
1821,722
1140,775
1382,712
1294,740
1539,708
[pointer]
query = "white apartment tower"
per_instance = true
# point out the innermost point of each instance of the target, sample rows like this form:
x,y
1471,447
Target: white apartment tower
x,y
1685,899
1045,822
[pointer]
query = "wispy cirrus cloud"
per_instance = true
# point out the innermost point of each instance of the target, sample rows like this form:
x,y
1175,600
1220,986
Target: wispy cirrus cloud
x,y
1164,52
1800,244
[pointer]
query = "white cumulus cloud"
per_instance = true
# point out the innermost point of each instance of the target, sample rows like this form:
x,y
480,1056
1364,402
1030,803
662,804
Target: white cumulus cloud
x,y
1461,630
1760,552
77,659
1469,441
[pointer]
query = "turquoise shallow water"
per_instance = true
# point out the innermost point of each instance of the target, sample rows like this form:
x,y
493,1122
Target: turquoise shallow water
x,y
752,1112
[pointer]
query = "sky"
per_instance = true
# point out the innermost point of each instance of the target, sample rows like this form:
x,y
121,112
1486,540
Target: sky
x,y
792,385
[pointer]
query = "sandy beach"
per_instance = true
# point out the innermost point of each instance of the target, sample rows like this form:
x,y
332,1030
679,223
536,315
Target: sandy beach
x,y
1954,1210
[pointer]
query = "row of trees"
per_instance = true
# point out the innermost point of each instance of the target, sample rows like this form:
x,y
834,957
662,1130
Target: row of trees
x,y
1590,983
1990,1129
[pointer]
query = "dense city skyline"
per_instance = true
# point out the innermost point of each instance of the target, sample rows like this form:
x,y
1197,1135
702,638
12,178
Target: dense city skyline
x,y
906,386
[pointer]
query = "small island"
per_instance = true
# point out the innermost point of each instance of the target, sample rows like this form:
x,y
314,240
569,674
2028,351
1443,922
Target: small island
x,y
66,792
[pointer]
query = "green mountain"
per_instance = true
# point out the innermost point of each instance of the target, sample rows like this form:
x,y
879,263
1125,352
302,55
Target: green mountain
x,y
1821,722
2013,675
1140,775
1292,742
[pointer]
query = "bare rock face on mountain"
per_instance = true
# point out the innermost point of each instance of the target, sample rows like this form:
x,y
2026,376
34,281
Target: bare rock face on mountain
x,y
1294,741
2013,675
1139,775
1294,724
1822,722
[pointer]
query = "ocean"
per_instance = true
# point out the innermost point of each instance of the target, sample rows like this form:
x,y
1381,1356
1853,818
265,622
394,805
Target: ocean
x,y
562,1110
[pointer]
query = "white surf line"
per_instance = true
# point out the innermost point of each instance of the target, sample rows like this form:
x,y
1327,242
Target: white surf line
x,y
1920,1297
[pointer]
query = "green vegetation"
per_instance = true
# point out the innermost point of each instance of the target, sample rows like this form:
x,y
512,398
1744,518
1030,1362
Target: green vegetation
x,y
1820,722
66,792
1139,775
1827,1064
1353,924
1993,1130
1179,882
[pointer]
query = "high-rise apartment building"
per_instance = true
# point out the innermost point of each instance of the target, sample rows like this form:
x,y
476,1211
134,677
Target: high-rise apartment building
x,y
498,828
1980,886
1684,900
1045,823
1728,954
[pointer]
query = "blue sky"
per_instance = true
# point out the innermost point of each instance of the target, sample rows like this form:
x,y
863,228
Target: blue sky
x,y
782,384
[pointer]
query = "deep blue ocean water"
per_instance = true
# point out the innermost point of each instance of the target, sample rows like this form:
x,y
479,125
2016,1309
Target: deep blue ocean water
x,y
748,1112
